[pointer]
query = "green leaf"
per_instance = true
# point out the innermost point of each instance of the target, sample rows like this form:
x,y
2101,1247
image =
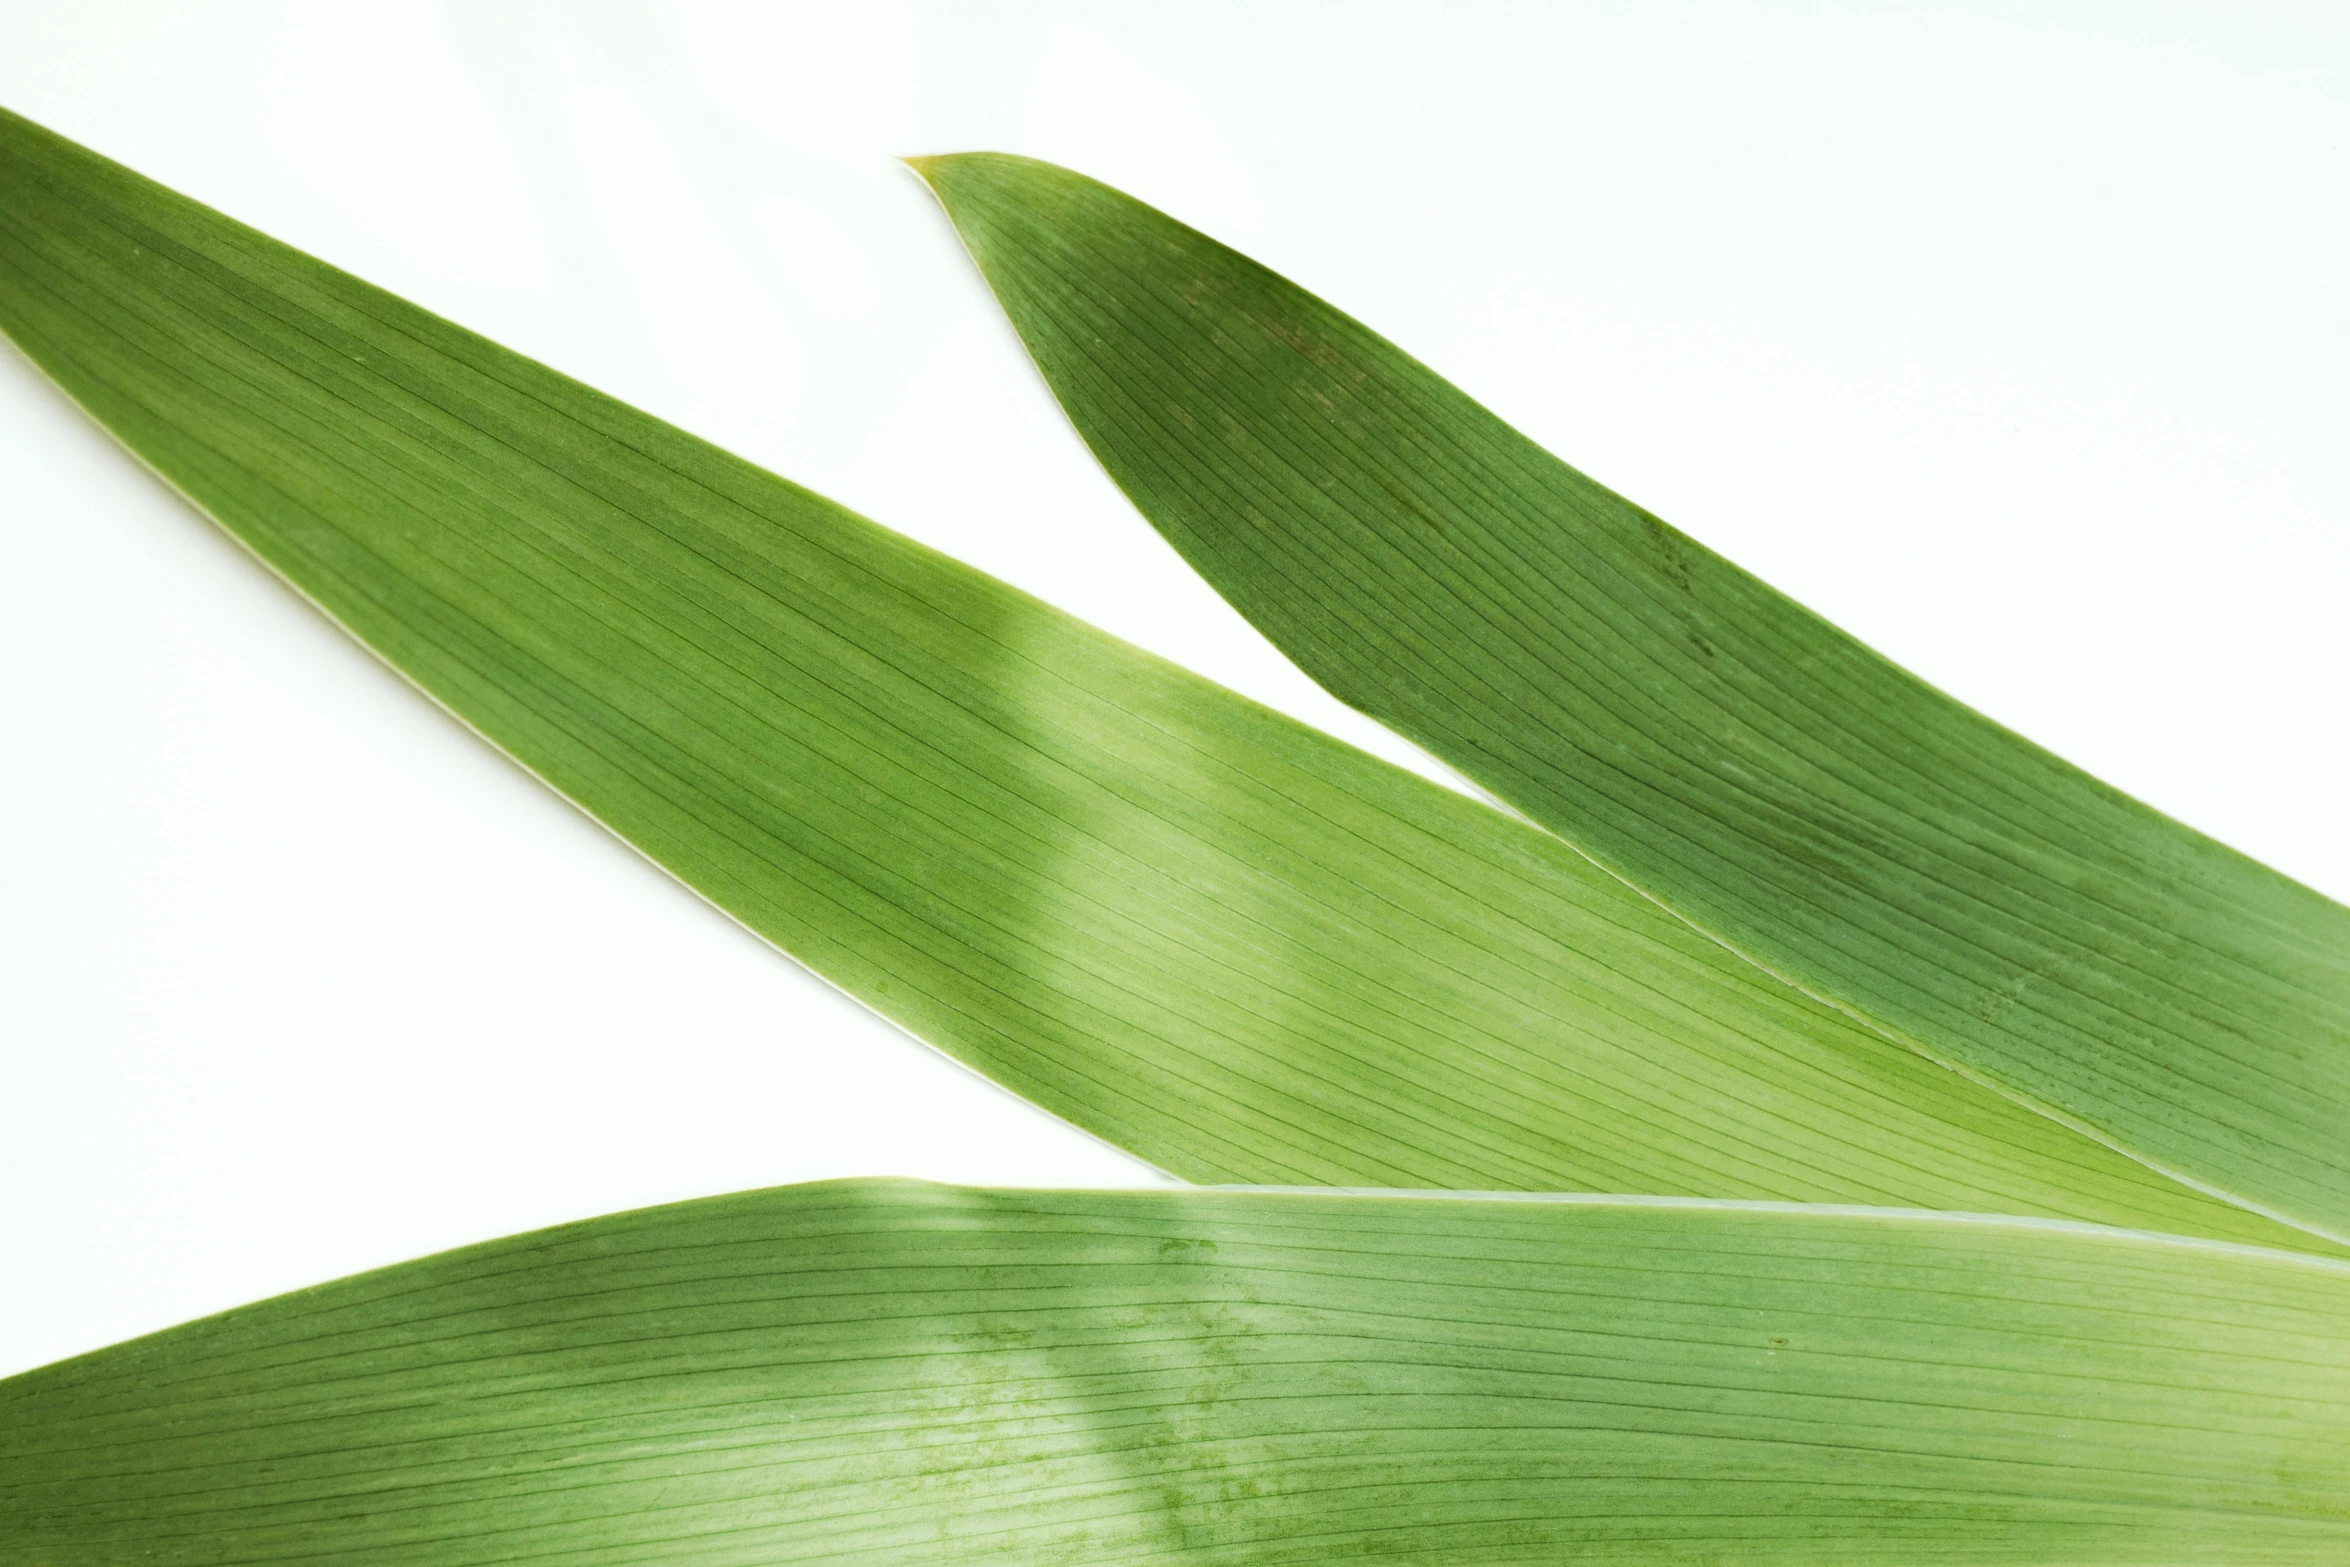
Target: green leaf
x,y
897,1373
1211,935
1709,740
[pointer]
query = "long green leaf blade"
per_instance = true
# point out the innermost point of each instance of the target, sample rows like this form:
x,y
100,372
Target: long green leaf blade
x,y
1206,933
894,1373
1717,745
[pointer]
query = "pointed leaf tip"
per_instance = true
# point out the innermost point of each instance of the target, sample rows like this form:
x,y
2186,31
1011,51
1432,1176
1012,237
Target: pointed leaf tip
x,y
1172,918
1773,781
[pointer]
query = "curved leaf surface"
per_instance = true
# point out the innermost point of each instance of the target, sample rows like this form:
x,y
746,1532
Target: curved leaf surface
x,y
892,1373
1204,932
1785,788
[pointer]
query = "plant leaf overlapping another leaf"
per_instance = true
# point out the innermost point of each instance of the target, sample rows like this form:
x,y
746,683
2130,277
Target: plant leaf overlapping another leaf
x,y
1724,750
1211,935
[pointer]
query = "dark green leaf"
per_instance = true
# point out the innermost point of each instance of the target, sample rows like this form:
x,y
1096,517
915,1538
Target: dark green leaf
x,y
1712,742
1209,934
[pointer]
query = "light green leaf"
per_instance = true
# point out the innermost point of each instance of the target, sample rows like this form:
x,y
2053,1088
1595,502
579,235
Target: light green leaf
x,y
1714,743
885,1372
1211,935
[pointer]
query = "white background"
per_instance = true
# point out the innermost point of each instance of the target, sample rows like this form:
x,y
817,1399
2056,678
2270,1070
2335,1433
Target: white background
x,y
2010,336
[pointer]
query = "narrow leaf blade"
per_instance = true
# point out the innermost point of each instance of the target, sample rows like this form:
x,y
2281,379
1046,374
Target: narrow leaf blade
x,y
1720,747
1204,932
